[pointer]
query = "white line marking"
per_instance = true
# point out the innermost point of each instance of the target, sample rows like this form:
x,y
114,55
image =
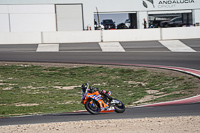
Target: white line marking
x,y
47,48
111,47
176,46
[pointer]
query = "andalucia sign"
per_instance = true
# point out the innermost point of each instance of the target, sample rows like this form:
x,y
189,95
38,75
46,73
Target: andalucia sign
x,y
165,3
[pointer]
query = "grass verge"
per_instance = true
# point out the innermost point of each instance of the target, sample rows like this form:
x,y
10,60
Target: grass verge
x,y
29,89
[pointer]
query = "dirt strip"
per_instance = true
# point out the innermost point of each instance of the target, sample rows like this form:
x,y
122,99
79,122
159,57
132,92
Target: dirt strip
x,y
189,124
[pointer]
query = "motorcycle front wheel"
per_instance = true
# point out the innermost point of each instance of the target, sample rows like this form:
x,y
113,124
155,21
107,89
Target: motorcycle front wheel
x,y
119,107
92,107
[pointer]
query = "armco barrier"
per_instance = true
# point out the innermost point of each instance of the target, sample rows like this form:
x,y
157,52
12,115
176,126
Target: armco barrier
x,y
20,37
97,36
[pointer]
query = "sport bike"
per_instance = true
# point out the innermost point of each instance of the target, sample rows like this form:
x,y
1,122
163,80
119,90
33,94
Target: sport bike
x,y
96,101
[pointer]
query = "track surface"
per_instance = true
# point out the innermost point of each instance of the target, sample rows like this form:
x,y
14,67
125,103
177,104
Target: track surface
x,y
148,52
135,53
161,111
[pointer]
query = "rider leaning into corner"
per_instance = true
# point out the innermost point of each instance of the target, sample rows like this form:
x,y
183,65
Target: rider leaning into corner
x,y
86,88
96,101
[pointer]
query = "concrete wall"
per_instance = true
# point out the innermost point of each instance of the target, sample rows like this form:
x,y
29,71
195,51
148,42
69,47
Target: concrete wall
x,y
181,33
95,36
131,35
4,23
71,36
140,19
20,38
25,18
196,16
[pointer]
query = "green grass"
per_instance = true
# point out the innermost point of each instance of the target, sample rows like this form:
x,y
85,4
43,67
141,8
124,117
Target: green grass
x,y
28,90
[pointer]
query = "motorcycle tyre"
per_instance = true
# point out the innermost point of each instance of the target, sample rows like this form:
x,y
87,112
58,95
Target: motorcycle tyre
x,y
119,110
90,110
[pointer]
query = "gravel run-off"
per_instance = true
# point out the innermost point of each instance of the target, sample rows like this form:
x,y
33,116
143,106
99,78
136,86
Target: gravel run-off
x,y
186,124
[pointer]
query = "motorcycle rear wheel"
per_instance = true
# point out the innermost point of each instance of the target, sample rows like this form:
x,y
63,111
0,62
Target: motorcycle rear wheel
x,y
119,108
92,107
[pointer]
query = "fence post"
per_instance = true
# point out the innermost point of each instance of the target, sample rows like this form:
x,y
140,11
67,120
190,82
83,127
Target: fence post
x,y
161,34
42,40
101,35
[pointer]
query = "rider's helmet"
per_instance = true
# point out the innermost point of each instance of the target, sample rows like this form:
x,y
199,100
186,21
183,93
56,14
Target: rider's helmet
x,y
84,87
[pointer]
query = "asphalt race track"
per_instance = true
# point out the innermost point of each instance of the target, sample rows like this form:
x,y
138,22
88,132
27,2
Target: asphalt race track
x,y
188,60
161,111
149,53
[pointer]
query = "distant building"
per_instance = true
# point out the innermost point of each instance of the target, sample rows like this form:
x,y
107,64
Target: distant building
x,y
77,15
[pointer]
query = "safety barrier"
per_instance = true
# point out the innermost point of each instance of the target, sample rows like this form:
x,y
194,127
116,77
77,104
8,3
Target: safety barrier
x,y
131,35
98,36
180,33
20,37
71,37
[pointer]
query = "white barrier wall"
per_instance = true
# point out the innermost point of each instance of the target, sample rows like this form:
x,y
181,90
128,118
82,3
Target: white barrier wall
x,y
4,23
71,36
27,18
196,16
32,22
131,35
20,38
181,33
95,36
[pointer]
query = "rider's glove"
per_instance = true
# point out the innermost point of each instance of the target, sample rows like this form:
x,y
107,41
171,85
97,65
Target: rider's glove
x,y
103,91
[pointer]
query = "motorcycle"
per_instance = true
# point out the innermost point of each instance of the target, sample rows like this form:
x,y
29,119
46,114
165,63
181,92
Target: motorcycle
x,y
96,101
